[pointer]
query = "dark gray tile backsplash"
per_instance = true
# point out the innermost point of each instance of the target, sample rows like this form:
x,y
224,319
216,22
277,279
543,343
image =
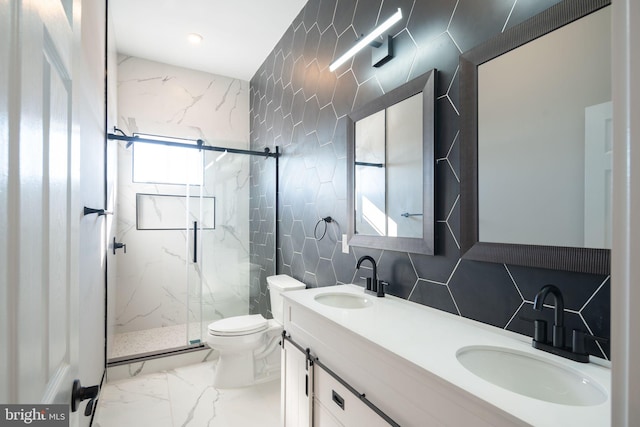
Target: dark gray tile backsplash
x,y
298,105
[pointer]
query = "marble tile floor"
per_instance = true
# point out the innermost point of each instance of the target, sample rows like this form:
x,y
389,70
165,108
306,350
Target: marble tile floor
x,y
185,397
151,340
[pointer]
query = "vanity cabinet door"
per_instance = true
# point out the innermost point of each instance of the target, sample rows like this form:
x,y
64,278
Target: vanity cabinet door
x,y
296,388
323,417
335,405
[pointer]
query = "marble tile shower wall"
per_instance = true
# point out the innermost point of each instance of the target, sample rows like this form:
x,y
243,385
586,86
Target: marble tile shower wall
x,y
151,288
297,104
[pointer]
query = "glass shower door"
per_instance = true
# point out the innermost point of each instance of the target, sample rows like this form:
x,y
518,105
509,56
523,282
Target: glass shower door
x,y
158,201
221,289
199,216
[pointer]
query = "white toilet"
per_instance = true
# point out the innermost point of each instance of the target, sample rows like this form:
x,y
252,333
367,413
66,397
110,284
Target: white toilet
x,y
248,344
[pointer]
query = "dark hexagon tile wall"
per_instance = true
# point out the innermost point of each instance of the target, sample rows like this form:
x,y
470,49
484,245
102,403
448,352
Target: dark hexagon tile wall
x,y
477,287
298,105
434,295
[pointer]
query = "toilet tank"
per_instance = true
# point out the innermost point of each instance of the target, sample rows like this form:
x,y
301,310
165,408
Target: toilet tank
x,y
278,284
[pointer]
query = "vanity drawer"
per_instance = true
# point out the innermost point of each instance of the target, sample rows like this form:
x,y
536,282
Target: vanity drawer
x,y
333,398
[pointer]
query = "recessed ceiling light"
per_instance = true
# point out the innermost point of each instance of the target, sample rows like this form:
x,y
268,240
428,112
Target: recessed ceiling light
x,y
194,38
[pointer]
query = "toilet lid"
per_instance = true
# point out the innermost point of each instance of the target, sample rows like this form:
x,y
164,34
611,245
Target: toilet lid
x,y
238,325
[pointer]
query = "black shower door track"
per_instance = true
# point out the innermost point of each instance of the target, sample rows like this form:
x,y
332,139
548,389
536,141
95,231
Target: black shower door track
x,y
199,146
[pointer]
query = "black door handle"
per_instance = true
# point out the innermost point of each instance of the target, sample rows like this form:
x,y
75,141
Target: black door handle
x,y
79,393
195,241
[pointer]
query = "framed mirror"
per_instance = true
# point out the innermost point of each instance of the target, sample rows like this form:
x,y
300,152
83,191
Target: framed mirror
x,y
390,167
536,142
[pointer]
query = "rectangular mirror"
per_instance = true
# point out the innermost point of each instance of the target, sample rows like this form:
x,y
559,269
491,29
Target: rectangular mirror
x,y
390,158
536,142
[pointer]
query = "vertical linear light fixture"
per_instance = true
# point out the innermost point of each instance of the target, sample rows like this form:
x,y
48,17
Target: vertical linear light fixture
x,y
370,39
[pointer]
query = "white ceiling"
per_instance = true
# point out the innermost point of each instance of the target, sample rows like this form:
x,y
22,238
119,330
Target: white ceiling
x,y
238,34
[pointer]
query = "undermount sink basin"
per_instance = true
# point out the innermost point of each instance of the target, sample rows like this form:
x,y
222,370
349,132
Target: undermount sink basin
x,y
531,376
343,300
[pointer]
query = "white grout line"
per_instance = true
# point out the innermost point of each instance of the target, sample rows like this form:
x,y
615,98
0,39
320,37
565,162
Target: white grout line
x,y
509,17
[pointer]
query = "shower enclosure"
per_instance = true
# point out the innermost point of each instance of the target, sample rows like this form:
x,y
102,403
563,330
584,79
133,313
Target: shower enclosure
x,y
184,213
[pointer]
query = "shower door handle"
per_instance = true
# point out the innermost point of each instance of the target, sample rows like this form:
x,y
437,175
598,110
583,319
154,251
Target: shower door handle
x,y
195,241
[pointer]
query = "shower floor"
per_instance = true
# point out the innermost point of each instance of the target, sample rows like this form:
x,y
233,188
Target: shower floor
x,y
135,343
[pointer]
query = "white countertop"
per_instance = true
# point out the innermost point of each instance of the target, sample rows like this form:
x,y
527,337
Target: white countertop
x,y
430,338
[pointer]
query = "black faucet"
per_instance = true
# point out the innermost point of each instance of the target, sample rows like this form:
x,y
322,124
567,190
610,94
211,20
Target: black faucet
x,y
558,315
373,284
578,338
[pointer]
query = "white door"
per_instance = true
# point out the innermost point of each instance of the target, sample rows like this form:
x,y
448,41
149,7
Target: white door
x,y
93,253
598,145
40,210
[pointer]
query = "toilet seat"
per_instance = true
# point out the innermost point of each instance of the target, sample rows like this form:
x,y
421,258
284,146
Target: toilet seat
x,y
238,325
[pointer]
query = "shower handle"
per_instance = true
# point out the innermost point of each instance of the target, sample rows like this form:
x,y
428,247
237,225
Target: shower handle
x,y
195,241
118,245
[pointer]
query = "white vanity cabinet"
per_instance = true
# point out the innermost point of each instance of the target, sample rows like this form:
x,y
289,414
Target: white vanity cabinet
x,y
334,402
403,358
311,396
